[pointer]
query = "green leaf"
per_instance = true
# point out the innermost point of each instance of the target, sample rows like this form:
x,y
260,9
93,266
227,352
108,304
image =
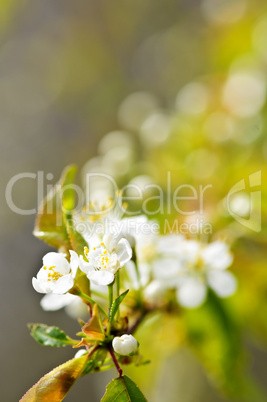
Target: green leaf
x,y
50,223
55,385
115,305
75,238
50,336
54,223
123,389
67,188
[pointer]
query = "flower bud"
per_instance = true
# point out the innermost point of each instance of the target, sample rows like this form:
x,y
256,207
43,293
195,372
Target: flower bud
x,y
125,345
80,353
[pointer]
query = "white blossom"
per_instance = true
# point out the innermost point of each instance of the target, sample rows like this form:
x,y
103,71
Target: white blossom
x,y
57,274
105,259
204,266
154,292
125,345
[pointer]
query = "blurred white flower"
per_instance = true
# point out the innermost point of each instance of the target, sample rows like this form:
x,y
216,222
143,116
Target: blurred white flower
x,y
125,345
57,274
193,99
204,266
72,304
244,93
106,259
154,292
192,292
54,302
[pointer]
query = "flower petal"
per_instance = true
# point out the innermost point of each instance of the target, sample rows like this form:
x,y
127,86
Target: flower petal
x,y
53,302
124,252
101,277
74,262
188,251
63,284
192,293
167,270
217,255
85,266
58,260
36,285
111,240
223,283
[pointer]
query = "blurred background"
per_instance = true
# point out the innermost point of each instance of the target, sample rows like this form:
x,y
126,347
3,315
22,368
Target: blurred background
x,y
134,89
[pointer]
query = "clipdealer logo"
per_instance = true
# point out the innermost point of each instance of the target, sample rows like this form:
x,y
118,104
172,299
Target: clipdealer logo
x,y
244,201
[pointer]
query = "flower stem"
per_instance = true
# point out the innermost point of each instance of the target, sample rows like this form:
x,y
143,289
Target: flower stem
x,y
118,283
115,361
88,299
110,297
118,292
110,294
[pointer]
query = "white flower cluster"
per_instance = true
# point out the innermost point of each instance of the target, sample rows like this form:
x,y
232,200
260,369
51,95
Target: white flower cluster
x,y
164,262
190,267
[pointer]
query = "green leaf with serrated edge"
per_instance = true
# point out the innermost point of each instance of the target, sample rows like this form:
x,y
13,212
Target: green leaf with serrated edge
x,y
115,305
123,389
50,336
50,223
55,385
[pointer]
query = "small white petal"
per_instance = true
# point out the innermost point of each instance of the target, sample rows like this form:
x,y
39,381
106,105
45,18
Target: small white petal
x,y
74,262
192,293
111,240
101,277
85,266
217,255
63,284
53,302
124,252
167,270
37,286
223,283
58,260
188,251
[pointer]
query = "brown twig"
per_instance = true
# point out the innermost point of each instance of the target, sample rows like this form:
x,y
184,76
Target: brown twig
x,y
115,361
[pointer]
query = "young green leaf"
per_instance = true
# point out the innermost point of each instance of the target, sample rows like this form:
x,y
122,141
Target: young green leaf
x,y
50,222
123,389
115,305
76,239
55,385
50,336
68,204
93,328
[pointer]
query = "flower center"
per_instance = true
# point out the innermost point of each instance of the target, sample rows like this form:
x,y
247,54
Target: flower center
x,y
53,275
104,257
